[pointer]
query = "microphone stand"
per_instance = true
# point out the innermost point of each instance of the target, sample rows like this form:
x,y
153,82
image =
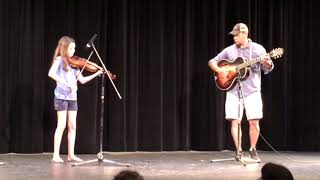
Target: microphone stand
x,y
241,100
240,94
100,158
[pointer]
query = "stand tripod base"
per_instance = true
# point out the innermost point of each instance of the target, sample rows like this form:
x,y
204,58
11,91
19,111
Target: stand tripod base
x,y
101,160
221,160
242,162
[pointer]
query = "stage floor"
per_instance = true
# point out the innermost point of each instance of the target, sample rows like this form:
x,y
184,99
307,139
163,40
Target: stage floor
x,y
158,165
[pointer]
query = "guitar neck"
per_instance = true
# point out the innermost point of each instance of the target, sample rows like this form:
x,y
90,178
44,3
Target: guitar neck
x,y
249,63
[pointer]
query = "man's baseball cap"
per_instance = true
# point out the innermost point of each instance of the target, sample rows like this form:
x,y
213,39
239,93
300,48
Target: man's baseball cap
x,y
239,27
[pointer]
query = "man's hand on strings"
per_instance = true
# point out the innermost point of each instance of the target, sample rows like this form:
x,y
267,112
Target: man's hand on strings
x,y
266,61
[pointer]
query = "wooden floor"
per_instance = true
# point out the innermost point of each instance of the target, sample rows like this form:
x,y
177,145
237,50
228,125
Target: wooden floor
x,y
158,165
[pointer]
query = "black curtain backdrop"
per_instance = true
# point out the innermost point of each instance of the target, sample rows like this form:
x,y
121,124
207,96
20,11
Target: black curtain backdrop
x,y
159,49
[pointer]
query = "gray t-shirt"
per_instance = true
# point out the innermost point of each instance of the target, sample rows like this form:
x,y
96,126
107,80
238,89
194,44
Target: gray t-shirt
x,y
253,82
70,76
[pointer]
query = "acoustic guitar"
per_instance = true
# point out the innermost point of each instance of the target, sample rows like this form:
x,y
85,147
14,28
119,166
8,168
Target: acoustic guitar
x,y
239,68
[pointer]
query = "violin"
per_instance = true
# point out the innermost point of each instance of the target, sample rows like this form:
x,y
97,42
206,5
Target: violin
x,y
78,62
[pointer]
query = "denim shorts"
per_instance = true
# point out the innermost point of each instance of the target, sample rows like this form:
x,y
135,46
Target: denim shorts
x,y
65,105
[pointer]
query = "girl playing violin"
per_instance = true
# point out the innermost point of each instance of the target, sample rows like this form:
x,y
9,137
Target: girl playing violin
x,y
65,100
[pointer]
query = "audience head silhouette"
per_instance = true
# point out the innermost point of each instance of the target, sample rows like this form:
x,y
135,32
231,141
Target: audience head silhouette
x,y
272,171
128,175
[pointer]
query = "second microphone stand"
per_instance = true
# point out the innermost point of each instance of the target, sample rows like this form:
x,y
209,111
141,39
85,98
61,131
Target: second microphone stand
x,y
100,159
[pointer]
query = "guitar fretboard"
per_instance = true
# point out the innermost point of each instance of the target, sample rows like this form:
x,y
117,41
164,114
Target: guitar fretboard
x,y
249,63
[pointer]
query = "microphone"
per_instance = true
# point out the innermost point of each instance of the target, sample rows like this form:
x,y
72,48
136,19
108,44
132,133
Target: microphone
x,y
89,44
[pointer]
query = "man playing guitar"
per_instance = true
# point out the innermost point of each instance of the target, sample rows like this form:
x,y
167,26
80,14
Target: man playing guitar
x,y
246,92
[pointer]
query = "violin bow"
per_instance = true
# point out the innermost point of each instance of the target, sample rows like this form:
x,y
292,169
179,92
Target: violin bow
x,y
85,63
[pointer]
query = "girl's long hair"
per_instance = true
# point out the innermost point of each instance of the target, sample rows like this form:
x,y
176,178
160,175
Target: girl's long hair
x,y
62,50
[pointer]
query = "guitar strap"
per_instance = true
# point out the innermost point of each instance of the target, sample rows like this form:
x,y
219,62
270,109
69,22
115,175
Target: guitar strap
x,y
250,50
